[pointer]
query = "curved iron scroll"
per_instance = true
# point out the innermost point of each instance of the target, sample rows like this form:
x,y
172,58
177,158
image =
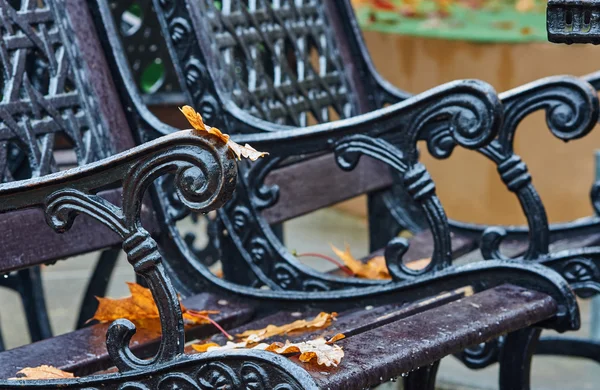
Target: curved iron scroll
x,y
468,110
231,369
205,177
571,107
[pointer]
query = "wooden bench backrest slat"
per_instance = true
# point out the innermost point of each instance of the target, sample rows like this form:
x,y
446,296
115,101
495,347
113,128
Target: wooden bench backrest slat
x,y
317,183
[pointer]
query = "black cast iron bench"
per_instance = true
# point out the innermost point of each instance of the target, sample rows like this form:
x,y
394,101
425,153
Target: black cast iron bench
x,y
570,106
305,64
508,297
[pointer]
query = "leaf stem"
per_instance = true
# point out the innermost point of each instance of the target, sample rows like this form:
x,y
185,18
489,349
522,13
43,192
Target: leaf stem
x,y
213,322
330,259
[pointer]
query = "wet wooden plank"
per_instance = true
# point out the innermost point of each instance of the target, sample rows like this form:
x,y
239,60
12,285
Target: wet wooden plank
x,y
83,352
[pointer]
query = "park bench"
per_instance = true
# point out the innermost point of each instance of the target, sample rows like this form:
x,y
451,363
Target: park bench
x,y
276,62
543,94
419,317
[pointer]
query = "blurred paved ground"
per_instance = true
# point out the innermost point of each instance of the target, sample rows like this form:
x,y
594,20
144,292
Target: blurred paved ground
x,y
65,281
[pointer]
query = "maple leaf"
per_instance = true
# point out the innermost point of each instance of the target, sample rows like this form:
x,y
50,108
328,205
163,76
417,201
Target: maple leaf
x,y
319,351
42,372
141,309
321,321
240,151
375,268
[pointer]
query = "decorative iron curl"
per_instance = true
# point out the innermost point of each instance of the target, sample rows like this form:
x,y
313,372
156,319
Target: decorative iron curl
x,y
571,106
470,116
482,355
262,195
204,179
421,188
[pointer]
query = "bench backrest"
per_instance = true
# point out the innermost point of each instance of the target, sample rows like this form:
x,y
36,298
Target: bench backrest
x,y
289,63
59,109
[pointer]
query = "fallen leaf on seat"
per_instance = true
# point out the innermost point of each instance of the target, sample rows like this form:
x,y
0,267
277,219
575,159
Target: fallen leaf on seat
x,y
375,268
198,124
42,372
320,351
321,321
141,309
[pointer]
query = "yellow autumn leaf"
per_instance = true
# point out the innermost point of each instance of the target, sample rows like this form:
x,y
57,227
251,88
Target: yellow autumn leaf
x,y
319,351
375,268
197,123
42,372
246,151
240,151
321,321
141,309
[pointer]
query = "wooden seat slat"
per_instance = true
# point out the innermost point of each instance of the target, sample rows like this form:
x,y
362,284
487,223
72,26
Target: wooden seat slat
x,y
83,351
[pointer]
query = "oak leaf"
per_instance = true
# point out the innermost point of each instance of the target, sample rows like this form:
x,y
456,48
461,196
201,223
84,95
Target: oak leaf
x,y
240,151
42,372
321,321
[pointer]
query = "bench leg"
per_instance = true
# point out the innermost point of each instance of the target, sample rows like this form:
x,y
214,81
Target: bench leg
x,y
423,378
515,359
34,303
97,285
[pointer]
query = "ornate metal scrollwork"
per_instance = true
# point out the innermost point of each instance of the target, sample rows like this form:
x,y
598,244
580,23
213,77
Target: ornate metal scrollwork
x,y
571,107
467,113
233,370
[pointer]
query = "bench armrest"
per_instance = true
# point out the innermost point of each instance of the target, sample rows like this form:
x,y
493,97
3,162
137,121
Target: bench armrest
x,y
204,176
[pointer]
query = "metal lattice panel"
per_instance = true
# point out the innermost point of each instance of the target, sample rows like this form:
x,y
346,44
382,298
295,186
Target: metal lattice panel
x,y
47,111
279,59
146,49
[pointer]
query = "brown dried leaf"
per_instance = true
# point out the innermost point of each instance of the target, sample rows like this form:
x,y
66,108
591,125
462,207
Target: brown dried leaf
x,y
375,268
42,372
246,151
335,338
141,309
321,321
196,317
319,351
203,347
197,123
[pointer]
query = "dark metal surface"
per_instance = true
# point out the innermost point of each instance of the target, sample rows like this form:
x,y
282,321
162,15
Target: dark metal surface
x,y
146,51
573,21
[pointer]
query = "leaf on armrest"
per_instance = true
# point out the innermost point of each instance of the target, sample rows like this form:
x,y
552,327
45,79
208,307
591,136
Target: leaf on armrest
x,y
197,123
